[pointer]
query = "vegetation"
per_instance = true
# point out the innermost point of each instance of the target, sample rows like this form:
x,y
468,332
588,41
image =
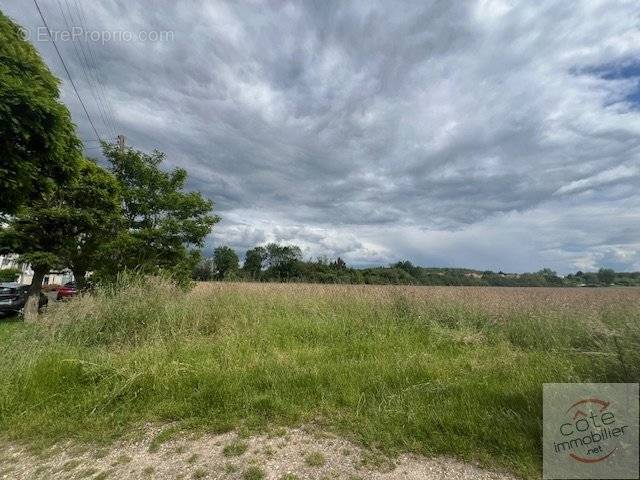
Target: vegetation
x,y
226,262
284,263
162,223
38,142
60,210
424,370
315,459
95,216
9,274
253,473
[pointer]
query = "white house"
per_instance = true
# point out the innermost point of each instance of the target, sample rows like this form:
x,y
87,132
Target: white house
x,y
26,273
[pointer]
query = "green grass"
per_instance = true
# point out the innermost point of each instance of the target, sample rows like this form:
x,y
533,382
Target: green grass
x,y
253,473
395,371
234,449
315,459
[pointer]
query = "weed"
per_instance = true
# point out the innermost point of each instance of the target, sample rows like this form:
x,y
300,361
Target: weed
x,y
122,459
253,473
230,468
70,465
200,473
315,459
234,449
148,470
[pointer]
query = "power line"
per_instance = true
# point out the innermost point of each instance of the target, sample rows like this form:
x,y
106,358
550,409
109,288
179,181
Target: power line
x,y
90,68
82,66
64,65
95,65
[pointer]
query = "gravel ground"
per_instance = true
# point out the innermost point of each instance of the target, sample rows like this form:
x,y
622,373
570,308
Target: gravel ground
x,y
293,454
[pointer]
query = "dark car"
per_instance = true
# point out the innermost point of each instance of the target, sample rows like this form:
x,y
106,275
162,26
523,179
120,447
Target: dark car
x,y
67,291
13,296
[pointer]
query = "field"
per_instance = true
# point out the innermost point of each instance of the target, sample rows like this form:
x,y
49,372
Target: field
x,y
428,370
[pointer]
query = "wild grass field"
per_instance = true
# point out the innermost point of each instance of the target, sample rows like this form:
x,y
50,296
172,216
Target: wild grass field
x,y
429,370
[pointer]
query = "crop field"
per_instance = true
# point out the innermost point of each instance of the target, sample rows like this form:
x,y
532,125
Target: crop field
x,y
454,371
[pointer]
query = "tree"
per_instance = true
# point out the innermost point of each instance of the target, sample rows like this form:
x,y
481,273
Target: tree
x,y
547,272
204,270
282,260
339,264
40,149
37,233
64,228
606,276
226,261
163,224
254,261
94,200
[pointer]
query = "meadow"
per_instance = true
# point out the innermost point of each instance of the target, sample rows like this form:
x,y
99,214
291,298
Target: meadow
x,y
430,370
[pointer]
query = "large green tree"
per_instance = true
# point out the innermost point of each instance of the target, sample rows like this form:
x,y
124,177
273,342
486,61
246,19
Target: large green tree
x,y
283,260
64,228
606,276
38,145
226,261
254,261
94,200
164,225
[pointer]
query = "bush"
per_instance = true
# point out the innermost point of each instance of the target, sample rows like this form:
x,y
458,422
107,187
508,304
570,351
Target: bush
x,y
9,274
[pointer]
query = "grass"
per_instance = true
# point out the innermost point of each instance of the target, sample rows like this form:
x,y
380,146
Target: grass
x,y
455,371
315,459
200,473
234,449
253,473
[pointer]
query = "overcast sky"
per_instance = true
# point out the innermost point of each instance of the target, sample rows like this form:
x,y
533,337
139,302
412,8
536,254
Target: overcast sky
x,y
492,134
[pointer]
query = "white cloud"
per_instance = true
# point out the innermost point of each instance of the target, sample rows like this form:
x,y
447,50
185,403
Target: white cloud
x,y
477,133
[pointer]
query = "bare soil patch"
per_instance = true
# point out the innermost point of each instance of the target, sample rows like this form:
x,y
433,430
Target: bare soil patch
x,y
285,454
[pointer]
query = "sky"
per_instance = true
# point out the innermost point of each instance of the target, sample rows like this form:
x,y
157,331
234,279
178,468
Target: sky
x,y
490,134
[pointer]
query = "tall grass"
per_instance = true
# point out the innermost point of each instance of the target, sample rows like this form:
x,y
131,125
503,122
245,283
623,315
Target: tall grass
x,y
418,370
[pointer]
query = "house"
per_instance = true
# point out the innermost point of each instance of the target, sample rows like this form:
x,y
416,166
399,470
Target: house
x,y
26,273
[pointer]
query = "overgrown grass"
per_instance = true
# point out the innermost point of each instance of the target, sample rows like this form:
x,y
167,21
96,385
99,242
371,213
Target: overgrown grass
x,y
397,369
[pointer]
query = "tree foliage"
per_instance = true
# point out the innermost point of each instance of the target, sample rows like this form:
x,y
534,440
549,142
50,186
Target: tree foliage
x,y
163,224
9,274
226,262
275,262
94,200
40,149
66,227
254,262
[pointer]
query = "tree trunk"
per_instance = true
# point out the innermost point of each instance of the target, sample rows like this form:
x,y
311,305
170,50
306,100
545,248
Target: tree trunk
x,y
80,277
33,299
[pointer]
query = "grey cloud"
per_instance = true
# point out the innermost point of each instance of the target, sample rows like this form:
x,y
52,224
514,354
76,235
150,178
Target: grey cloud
x,y
436,131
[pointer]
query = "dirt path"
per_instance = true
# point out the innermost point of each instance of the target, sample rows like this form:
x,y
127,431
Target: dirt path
x,y
285,455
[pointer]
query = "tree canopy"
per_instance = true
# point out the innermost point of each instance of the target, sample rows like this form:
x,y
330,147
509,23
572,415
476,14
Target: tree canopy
x,y
38,142
163,224
94,200
226,261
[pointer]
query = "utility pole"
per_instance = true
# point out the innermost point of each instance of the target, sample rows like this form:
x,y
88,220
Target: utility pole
x,y
121,143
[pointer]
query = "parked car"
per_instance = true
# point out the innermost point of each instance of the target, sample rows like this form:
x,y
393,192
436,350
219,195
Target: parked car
x,y
13,296
67,291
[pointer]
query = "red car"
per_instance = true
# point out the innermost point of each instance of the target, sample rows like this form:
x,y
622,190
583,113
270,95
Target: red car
x,y
67,291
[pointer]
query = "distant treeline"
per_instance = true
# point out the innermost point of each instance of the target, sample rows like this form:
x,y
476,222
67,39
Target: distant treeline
x,y
285,263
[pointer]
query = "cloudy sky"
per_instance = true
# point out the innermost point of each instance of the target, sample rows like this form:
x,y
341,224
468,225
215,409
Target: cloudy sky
x,y
493,134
